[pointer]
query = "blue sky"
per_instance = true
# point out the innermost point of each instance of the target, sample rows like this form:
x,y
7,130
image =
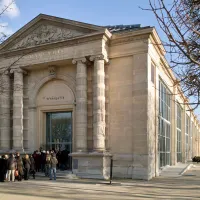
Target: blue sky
x,y
99,12
102,12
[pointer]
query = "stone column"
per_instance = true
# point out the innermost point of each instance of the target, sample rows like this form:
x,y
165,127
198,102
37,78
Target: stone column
x,y
81,104
98,103
18,109
5,111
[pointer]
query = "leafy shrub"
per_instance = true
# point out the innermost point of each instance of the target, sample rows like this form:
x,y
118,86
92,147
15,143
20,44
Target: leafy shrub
x,y
196,159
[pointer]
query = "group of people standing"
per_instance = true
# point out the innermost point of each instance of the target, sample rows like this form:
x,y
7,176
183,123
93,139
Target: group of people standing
x,y
15,167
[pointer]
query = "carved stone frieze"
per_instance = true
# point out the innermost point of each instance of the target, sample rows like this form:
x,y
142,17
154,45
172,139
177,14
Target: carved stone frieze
x,y
45,34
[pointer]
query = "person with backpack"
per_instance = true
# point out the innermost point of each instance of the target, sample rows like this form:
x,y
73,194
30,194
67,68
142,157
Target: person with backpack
x,y
11,166
53,163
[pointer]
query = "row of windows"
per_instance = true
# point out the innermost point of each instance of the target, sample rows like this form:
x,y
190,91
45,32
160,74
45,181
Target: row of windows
x,y
165,129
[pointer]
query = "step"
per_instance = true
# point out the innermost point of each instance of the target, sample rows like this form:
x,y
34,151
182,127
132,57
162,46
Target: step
x,y
60,174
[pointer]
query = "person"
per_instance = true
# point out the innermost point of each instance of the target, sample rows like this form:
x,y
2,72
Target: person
x,y
43,160
6,168
47,164
32,167
53,163
37,160
27,165
20,167
11,167
3,168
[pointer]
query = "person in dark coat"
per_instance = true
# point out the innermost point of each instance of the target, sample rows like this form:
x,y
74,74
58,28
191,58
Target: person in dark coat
x,y
37,160
27,166
4,167
43,160
32,167
1,170
20,167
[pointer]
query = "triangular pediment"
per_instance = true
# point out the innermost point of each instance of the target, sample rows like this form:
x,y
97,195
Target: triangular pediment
x,y
46,29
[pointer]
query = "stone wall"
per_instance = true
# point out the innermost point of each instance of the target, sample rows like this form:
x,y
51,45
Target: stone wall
x,y
120,72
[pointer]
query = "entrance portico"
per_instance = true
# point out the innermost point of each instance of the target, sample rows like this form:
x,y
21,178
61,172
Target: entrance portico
x,y
51,77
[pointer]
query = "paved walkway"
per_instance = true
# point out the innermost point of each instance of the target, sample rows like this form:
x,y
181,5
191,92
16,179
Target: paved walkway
x,y
182,187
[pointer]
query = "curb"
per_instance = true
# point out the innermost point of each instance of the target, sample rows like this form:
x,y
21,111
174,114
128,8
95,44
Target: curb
x,y
186,168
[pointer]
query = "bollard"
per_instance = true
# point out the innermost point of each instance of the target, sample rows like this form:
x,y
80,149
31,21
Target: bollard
x,y
111,168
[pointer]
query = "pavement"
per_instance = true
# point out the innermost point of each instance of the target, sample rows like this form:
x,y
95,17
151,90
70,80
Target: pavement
x,y
186,186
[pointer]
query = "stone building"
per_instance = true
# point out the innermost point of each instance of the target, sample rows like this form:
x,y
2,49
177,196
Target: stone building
x,y
95,92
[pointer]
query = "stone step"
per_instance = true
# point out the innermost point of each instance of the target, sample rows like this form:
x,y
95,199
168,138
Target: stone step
x,y
175,171
59,174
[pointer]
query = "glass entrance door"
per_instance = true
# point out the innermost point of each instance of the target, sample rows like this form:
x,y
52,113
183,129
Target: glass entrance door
x,y
59,136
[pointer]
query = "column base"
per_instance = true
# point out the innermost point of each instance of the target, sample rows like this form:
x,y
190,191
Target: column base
x,y
91,165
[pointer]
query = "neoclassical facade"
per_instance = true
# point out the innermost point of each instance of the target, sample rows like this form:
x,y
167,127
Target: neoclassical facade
x,y
95,92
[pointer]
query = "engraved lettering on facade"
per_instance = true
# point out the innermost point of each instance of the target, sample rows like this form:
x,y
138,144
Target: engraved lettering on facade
x,y
53,98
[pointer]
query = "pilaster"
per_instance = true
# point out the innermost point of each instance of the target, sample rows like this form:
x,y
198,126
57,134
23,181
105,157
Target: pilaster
x,y
32,129
173,129
183,124
5,111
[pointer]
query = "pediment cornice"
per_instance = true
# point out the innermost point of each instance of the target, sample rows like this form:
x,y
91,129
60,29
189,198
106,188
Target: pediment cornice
x,y
68,42
45,30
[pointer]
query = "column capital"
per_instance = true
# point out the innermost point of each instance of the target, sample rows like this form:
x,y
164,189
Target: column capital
x,y
18,70
99,57
79,60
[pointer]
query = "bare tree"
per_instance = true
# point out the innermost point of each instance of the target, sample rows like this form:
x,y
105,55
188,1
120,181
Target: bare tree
x,y
3,36
180,22
4,9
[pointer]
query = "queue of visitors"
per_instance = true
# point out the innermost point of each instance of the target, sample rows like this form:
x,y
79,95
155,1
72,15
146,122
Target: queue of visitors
x,y
15,167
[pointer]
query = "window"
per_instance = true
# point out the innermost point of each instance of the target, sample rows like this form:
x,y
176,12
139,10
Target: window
x,y
178,131
164,125
187,130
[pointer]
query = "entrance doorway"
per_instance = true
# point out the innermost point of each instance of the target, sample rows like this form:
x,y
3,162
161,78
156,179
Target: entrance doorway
x,y
59,137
